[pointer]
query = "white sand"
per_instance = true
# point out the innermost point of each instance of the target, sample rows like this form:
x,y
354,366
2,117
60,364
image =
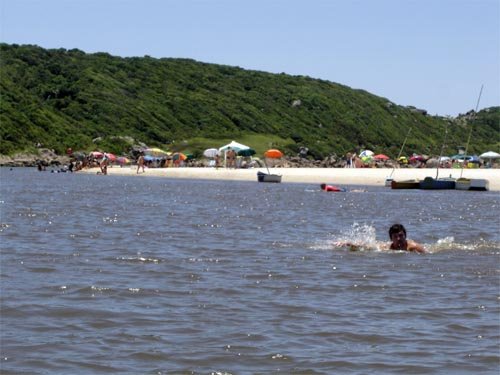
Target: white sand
x,y
335,176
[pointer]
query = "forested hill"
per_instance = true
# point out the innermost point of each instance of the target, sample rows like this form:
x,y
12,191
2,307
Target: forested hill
x,y
67,98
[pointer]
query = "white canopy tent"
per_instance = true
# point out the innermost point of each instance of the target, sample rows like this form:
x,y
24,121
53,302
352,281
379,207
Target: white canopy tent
x,y
234,146
490,155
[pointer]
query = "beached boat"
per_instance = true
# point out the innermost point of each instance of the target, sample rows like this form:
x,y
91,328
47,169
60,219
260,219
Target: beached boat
x,y
431,183
268,177
477,184
405,184
389,180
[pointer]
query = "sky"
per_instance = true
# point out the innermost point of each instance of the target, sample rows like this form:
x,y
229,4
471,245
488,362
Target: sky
x,y
432,54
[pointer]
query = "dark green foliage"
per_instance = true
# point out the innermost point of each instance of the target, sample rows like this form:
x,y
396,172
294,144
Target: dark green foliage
x,y
66,98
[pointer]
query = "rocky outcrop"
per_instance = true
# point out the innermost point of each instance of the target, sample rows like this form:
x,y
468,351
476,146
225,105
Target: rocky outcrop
x,y
44,157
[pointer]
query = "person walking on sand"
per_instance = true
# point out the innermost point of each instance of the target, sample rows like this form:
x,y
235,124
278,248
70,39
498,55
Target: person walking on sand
x,y
140,162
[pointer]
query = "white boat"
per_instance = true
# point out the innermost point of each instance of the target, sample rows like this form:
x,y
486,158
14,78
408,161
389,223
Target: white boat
x,y
477,184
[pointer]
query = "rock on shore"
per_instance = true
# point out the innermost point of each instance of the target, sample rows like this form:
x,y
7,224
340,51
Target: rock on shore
x,y
45,156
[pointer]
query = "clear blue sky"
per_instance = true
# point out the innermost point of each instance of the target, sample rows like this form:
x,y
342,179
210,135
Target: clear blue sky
x,y
433,54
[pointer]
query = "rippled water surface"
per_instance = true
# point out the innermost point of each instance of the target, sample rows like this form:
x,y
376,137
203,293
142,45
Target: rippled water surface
x,y
144,275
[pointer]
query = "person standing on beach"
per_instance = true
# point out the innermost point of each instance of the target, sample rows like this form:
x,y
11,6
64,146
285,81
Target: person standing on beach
x,y
217,161
230,158
104,164
140,162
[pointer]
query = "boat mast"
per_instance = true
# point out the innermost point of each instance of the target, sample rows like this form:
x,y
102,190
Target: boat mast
x,y
400,152
470,131
442,149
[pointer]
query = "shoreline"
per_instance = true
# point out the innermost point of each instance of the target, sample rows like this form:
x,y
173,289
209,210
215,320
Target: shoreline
x,y
336,176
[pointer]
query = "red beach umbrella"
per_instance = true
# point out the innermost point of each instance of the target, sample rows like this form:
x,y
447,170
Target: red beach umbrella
x,y
111,157
417,158
96,154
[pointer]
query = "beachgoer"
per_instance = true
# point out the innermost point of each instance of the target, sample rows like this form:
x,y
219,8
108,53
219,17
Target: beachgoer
x,y
230,158
397,234
140,162
104,164
326,187
217,161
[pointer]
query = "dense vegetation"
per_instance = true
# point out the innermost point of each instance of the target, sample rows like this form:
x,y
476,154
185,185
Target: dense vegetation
x,y
67,98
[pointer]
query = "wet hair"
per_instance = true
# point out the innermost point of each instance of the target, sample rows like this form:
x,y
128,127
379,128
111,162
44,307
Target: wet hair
x,y
396,228
322,186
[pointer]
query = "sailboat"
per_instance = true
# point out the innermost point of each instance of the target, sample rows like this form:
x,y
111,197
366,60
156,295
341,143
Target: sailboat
x,y
404,184
443,183
463,183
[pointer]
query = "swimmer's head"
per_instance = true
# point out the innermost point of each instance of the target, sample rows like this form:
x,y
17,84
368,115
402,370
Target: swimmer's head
x,y
396,228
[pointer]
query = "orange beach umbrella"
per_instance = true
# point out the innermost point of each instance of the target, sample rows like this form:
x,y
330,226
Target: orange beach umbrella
x,y
273,154
179,155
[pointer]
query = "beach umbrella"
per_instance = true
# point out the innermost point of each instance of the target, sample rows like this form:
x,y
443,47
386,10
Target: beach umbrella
x,y
179,156
417,158
490,155
468,158
150,158
273,154
366,159
96,154
122,160
381,157
234,146
246,152
111,157
155,151
79,155
366,153
211,153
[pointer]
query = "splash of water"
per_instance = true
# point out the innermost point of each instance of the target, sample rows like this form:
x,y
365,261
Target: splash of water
x,y
360,236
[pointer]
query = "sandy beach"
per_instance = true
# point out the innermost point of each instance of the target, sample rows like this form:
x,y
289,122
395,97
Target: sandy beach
x,y
336,176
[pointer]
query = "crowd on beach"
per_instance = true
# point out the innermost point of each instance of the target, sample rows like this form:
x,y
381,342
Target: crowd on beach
x,y
231,158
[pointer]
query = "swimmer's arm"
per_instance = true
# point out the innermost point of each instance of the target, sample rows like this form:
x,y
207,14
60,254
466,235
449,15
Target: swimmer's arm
x,y
350,245
414,246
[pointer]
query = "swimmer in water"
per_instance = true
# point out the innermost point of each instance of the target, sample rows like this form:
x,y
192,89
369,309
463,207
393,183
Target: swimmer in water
x,y
326,187
397,234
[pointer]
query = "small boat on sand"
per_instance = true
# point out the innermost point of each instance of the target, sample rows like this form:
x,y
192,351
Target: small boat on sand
x,y
430,183
268,177
477,184
405,184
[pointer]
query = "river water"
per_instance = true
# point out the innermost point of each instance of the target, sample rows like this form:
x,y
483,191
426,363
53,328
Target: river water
x,y
145,275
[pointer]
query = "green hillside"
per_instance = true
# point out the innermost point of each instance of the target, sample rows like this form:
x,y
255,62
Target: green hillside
x,y
67,98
